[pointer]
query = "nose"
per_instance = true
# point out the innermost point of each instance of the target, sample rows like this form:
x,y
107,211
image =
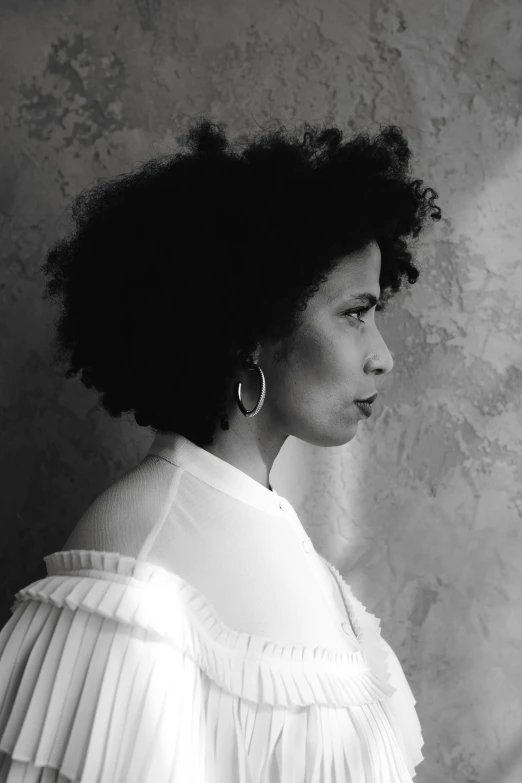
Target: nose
x,y
380,362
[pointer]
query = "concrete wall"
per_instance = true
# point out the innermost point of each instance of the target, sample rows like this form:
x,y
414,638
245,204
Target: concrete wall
x,y
422,511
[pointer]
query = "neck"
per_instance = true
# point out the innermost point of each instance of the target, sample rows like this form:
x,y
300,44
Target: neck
x,y
248,446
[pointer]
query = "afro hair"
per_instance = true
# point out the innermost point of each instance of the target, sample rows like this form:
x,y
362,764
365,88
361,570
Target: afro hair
x,y
175,272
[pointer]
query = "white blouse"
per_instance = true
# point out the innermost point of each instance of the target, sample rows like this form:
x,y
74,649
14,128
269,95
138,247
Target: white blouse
x,y
188,632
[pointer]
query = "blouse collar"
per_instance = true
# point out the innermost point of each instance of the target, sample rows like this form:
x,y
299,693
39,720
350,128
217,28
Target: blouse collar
x,y
213,470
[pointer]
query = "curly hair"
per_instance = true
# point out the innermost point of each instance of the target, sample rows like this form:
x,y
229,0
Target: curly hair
x,y
176,271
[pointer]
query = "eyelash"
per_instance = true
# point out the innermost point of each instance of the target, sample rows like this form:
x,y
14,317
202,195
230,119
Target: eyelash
x,y
362,310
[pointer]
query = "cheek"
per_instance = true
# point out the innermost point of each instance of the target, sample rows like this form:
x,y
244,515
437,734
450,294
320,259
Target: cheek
x,y
317,358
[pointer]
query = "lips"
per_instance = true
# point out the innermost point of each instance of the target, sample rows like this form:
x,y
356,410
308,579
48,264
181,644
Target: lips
x,y
365,407
371,399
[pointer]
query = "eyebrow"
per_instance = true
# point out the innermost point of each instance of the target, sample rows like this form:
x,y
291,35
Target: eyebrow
x,y
366,298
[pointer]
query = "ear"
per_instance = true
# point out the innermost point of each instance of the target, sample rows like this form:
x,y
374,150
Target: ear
x,y
257,353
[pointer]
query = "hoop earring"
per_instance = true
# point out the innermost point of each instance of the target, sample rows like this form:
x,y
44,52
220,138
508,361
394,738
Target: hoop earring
x,y
261,399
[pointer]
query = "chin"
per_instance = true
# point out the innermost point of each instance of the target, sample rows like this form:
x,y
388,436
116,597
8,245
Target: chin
x,y
337,437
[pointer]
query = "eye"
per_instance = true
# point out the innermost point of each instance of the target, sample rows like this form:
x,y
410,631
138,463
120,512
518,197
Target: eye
x,y
361,311
357,313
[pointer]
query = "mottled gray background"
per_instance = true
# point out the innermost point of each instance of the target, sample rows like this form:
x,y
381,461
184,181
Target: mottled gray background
x,y
422,511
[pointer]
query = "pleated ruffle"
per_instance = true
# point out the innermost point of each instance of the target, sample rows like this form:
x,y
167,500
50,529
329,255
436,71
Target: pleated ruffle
x,y
101,681
400,706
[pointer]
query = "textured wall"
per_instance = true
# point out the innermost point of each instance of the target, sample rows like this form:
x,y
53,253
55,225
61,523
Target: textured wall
x,y
422,511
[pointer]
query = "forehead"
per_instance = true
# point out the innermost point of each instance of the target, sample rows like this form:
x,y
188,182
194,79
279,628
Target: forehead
x,y
356,273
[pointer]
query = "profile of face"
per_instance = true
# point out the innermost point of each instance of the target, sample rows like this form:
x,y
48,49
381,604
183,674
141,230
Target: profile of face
x,y
311,394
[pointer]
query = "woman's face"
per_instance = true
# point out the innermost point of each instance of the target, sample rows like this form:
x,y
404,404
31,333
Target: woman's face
x,y
311,394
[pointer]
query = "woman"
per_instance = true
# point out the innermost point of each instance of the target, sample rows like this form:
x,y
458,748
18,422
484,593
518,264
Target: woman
x,y
188,630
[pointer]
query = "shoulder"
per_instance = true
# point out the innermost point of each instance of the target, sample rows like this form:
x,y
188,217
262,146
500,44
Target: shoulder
x,y
122,515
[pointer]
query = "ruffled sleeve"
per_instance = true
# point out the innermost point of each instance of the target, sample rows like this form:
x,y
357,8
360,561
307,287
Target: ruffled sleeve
x,y
118,671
